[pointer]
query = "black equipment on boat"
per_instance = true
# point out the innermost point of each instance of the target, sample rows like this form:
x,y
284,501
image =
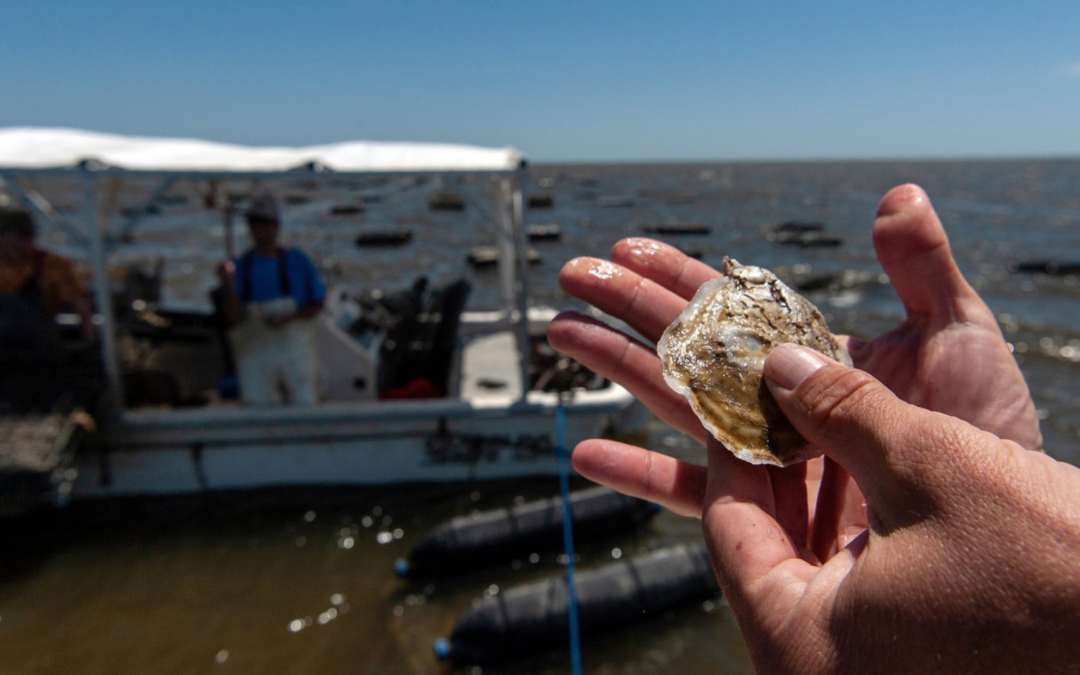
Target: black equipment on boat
x,y
419,346
530,618
469,542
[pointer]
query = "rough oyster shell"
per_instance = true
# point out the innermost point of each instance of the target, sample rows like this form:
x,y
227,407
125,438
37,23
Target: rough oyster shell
x,y
714,354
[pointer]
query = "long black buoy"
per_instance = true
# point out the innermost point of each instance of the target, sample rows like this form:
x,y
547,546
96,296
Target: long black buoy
x,y
467,543
1052,267
532,618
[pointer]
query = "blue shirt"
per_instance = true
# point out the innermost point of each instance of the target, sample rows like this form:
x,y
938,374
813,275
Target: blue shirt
x,y
264,276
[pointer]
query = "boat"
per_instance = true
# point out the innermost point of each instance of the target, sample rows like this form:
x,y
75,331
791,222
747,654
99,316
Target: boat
x,y
492,415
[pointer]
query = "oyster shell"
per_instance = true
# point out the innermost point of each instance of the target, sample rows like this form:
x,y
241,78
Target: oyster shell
x,y
714,354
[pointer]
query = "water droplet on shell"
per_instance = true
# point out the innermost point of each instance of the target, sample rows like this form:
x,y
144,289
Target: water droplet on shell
x,y
714,354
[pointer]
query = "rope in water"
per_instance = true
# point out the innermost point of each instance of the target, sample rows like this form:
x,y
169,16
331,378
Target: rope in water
x,y
568,536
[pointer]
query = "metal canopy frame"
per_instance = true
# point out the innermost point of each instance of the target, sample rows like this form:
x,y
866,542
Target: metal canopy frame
x,y
94,234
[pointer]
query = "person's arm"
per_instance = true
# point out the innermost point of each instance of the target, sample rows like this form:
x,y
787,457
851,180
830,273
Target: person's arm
x,y
232,309
63,280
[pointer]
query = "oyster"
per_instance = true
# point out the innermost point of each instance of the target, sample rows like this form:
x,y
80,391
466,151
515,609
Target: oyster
x,y
714,354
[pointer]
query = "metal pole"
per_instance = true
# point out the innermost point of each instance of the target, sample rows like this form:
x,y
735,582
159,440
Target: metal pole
x,y
521,285
102,297
508,260
37,204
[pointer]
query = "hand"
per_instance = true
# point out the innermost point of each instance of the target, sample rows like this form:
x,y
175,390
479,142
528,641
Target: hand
x,y
277,321
928,360
962,557
648,283
226,272
968,565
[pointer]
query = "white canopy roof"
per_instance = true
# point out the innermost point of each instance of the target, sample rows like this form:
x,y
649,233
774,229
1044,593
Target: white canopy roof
x,y
44,148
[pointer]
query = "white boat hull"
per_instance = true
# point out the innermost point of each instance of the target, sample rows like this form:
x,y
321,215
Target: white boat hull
x,y
180,451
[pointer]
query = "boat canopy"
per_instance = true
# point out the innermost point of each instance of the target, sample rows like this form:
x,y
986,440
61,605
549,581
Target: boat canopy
x,y
35,151
37,148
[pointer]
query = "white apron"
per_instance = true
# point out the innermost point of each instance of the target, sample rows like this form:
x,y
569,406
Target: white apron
x,y
276,365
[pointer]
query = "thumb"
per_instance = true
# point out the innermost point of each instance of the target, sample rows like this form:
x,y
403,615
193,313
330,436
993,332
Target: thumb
x,y
898,454
914,251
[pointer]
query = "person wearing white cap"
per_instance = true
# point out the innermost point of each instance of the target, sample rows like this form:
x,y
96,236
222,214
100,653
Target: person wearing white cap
x,y
271,297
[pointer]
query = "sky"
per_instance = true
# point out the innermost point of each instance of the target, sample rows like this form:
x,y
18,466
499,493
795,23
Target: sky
x,y
563,81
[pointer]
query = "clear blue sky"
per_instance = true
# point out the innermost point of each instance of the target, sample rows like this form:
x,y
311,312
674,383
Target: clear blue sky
x,y
576,80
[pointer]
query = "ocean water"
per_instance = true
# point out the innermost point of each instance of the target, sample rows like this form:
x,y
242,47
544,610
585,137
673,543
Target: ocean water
x,y
302,580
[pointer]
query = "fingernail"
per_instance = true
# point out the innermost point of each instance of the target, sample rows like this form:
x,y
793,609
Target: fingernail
x,y
788,365
900,199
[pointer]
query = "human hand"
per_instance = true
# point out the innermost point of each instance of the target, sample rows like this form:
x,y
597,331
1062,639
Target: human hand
x,y
277,321
968,563
925,359
991,579
226,271
949,355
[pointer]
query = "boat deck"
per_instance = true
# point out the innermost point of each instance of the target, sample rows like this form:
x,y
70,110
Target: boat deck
x,y
489,370
35,459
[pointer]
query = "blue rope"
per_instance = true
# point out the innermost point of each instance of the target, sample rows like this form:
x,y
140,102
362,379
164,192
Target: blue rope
x,y
568,536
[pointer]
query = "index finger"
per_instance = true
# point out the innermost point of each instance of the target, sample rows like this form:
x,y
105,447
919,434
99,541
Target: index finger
x,y
663,264
645,306
646,284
